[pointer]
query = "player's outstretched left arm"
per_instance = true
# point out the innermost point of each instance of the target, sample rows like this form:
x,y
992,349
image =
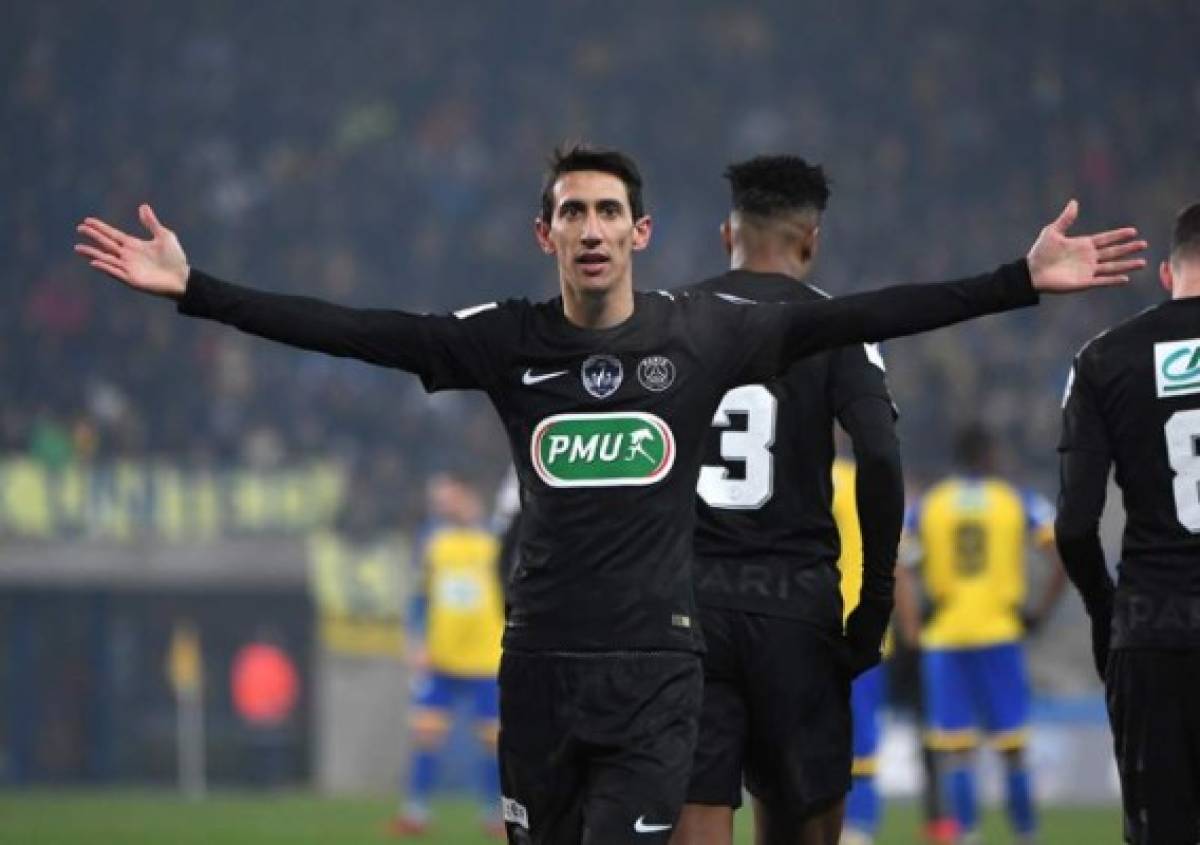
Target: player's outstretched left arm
x,y
1061,263
1056,263
157,266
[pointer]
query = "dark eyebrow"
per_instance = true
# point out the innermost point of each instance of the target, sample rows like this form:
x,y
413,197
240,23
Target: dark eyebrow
x,y
571,205
601,205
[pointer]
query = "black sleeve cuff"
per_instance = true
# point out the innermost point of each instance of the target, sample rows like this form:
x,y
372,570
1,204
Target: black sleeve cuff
x,y
1018,284
196,297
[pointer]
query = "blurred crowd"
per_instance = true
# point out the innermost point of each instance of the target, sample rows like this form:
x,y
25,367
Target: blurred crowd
x,y
389,154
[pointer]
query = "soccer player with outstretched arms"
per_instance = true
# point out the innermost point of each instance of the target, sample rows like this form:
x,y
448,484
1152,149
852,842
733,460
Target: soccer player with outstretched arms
x,y
606,394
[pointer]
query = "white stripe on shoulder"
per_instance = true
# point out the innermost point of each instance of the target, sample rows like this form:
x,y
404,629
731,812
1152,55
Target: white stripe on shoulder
x,y
874,355
1070,383
666,293
464,313
736,300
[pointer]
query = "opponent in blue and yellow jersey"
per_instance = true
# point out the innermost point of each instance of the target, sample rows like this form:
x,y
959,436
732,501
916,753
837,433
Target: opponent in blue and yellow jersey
x,y
465,610
969,534
456,622
972,533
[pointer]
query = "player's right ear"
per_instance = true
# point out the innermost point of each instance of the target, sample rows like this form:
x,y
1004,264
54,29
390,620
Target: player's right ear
x,y
541,231
727,236
810,243
1165,277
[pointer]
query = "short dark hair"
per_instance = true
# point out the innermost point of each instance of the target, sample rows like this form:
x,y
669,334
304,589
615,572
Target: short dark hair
x,y
774,184
571,158
1185,236
974,447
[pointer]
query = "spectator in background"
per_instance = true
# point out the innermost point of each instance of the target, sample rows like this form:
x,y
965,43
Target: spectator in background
x,y
258,156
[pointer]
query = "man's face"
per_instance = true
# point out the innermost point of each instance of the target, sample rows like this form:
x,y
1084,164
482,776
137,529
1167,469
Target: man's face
x,y
592,233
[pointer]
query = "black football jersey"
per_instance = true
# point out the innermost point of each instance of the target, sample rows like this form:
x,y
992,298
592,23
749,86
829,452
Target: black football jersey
x,y
1133,397
607,427
766,539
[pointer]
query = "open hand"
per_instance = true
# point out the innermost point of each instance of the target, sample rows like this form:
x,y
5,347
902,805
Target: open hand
x,y
1059,263
156,266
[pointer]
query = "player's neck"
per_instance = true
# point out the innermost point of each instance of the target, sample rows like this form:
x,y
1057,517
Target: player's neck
x,y
1186,287
598,310
780,263
1181,277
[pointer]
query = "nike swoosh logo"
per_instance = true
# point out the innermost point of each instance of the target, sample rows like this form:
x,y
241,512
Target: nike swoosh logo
x,y
640,826
529,378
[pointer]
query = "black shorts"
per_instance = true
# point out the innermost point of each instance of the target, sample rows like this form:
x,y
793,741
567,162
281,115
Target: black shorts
x,y
1154,708
596,748
776,708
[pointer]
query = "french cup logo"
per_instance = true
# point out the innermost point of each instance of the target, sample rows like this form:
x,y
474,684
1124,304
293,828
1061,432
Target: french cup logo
x,y
620,449
601,375
1177,368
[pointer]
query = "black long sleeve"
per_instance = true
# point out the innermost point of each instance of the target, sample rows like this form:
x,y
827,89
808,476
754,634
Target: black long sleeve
x,y
879,491
1084,482
304,322
902,310
446,351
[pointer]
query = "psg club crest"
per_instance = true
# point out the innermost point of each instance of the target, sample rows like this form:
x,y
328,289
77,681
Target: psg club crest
x,y
656,373
601,375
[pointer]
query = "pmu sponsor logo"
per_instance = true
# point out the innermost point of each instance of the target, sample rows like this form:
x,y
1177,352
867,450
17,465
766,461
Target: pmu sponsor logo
x,y
617,449
1177,367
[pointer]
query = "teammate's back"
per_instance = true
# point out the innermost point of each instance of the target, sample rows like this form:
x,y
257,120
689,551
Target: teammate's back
x,y
1135,392
1133,400
776,714
765,490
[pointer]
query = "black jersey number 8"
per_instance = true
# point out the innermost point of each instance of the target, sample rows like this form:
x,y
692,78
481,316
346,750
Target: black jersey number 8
x,y
751,447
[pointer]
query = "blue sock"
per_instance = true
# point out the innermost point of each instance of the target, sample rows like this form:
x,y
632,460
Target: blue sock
x,y
489,783
862,805
962,797
424,774
1020,801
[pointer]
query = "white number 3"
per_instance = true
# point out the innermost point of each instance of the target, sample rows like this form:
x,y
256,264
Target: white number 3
x,y
1183,437
752,447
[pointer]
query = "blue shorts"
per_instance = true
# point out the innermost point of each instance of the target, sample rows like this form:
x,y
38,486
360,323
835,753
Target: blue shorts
x,y
866,699
438,691
970,688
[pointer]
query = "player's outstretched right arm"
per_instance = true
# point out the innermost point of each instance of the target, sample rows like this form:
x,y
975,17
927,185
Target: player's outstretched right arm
x,y
446,352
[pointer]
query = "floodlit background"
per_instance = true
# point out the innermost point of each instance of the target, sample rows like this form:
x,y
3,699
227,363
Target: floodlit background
x,y
165,484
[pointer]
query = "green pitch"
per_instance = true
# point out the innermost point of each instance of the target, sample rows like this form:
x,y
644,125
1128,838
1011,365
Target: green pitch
x,y
138,818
